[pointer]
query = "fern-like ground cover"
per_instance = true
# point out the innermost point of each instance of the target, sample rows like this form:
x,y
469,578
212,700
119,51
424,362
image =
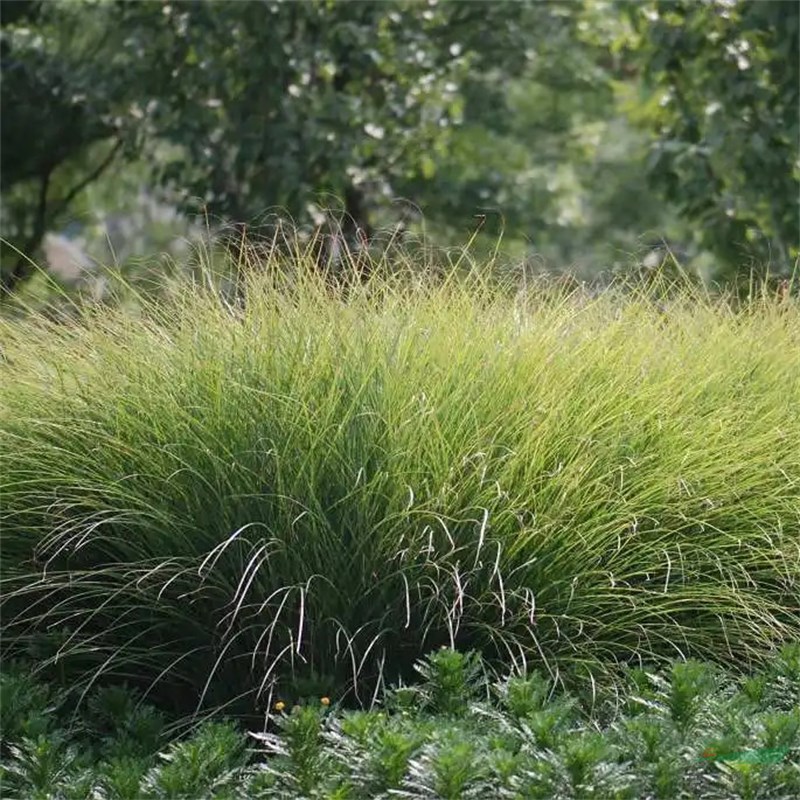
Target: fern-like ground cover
x,y
691,731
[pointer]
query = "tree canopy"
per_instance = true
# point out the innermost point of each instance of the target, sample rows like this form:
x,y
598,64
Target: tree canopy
x,y
570,122
720,92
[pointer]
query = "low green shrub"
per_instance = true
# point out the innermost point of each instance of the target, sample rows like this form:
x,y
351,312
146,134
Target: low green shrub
x,y
693,731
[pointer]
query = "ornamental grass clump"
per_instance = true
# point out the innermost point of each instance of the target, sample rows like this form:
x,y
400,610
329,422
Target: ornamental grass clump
x,y
217,502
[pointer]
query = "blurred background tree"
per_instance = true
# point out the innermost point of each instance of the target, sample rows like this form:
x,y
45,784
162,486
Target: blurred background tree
x,y
720,96
583,131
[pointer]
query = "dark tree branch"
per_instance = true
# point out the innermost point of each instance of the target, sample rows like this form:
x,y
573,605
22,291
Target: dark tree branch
x,y
90,178
22,269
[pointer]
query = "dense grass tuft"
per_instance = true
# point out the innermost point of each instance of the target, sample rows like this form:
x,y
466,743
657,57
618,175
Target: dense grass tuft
x,y
319,488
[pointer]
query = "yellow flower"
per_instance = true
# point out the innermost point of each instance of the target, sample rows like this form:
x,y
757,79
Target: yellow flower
x,y
279,706
326,701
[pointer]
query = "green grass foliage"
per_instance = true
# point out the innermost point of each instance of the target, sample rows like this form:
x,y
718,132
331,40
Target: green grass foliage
x,y
313,488
690,731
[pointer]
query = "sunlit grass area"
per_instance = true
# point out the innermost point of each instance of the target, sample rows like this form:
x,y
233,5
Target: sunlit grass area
x,y
216,499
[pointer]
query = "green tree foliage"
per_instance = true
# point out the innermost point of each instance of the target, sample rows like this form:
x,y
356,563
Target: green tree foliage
x,y
315,98
721,97
548,155
267,104
510,109
62,127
